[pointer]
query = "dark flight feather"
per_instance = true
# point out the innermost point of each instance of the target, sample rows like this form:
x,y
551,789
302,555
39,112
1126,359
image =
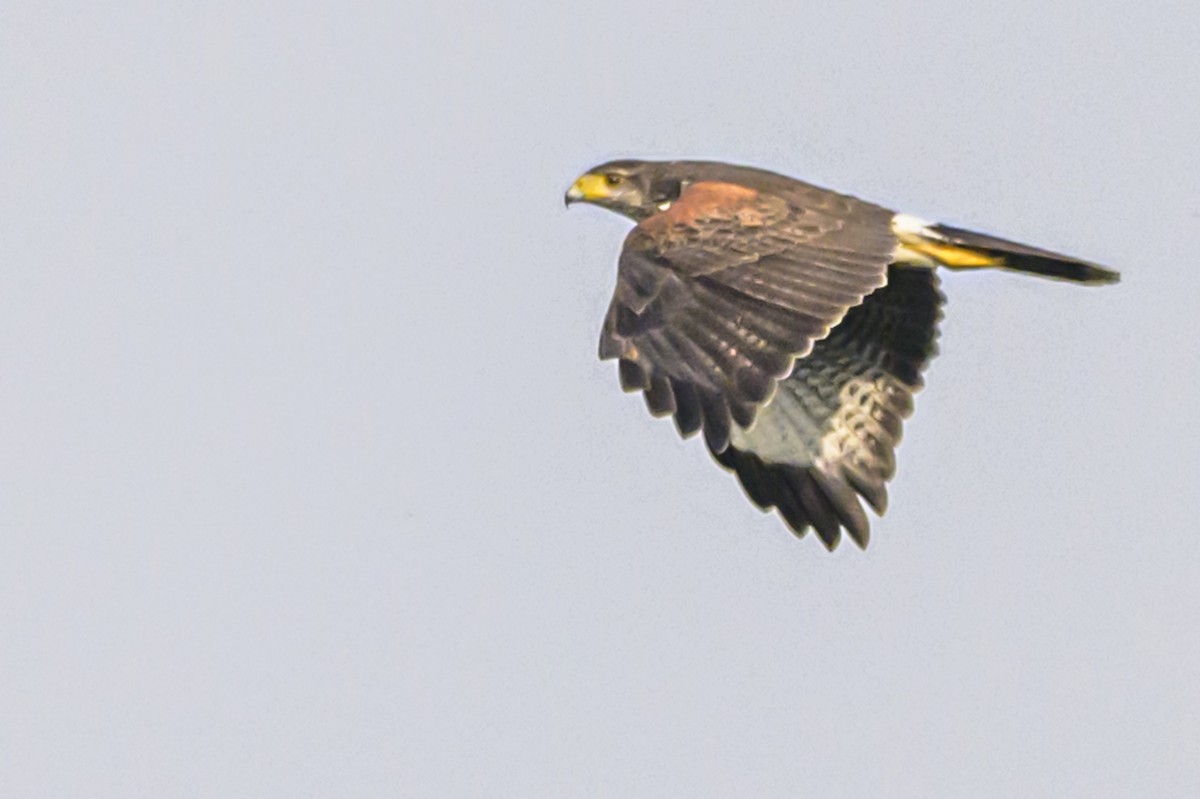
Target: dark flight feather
x,y
831,429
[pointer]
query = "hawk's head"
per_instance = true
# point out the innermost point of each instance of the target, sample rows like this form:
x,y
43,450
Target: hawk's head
x,y
636,189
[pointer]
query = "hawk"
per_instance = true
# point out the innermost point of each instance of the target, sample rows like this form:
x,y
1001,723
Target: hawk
x,y
788,323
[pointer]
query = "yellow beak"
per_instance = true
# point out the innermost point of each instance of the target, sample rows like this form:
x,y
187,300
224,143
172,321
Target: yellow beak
x,y
588,188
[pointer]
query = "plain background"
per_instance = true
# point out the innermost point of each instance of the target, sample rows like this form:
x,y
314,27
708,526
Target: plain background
x,y
311,483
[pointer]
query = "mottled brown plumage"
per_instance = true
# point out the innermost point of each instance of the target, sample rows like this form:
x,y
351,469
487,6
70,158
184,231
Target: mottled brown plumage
x,y
788,323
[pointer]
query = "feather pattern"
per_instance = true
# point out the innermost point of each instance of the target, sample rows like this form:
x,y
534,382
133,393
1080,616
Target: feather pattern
x,y
724,290
831,430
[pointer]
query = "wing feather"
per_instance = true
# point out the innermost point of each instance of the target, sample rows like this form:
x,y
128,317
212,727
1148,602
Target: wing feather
x,y
708,298
831,430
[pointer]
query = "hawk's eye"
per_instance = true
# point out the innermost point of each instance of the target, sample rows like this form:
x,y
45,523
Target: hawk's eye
x,y
613,179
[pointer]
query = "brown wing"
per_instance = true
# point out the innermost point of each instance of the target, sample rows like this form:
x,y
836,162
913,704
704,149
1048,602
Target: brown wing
x,y
717,296
832,427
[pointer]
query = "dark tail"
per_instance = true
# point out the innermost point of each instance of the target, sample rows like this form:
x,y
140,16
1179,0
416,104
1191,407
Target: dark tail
x,y
964,249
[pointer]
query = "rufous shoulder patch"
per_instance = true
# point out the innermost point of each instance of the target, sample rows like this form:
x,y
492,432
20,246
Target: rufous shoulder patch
x,y
709,199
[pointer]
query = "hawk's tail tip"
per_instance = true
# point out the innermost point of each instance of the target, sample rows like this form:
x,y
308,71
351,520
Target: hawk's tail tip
x,y
1062,269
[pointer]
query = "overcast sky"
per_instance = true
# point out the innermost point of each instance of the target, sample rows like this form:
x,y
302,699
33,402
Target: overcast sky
x,y
311,483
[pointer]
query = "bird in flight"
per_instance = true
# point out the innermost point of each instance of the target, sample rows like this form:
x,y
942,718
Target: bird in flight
x,y
788,323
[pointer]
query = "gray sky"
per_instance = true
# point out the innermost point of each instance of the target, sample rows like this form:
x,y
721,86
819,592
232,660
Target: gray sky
x,y
311,483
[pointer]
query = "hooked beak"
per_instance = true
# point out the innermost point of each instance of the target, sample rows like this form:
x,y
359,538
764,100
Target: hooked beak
x,y
588,188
